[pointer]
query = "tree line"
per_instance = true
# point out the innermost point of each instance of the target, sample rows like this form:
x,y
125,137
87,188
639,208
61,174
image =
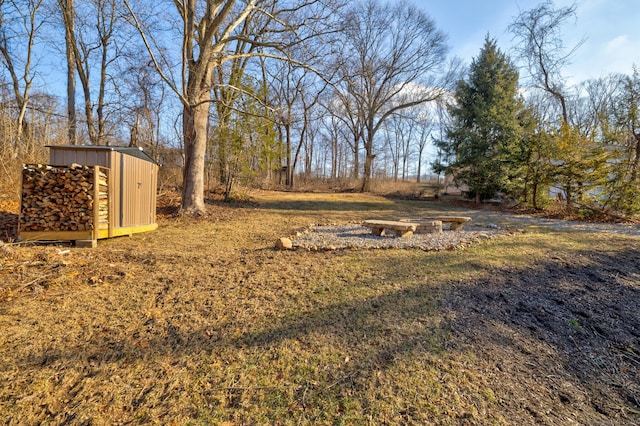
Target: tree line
x,y
582,140
248,90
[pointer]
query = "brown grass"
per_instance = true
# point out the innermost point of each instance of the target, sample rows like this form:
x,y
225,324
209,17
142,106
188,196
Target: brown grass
x,y
202,322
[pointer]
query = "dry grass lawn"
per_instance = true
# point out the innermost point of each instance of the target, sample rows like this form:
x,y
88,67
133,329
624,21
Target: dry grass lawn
x,y
203,322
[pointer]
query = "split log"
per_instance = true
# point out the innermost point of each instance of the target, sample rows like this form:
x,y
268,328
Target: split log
x,y
59,198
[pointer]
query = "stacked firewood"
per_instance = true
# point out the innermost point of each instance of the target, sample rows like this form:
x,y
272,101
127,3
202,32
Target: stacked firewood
x,y
61,198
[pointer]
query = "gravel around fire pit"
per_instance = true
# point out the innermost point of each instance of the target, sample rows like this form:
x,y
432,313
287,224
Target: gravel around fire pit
x,y
356,236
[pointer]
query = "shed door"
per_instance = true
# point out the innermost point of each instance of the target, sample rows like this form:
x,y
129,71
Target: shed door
x,y
136,192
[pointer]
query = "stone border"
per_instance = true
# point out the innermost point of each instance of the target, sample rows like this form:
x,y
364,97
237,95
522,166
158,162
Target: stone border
x,y
354,236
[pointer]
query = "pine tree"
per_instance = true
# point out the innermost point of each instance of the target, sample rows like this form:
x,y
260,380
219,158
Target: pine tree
x,y
483,146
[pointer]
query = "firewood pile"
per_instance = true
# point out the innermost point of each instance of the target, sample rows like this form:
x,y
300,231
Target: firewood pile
x,y
61,198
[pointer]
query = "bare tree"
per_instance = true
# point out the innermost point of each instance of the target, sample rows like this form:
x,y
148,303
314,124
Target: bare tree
x,y
91,40
392,143
392,57
106,24
67,9
20,21
332,134
399,135
208,31
345,111
211,31
539,41
311,140
590,104
425,126
295,91
141,100
406,130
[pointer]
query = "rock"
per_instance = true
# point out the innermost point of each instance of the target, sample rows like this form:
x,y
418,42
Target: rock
x,y
284,244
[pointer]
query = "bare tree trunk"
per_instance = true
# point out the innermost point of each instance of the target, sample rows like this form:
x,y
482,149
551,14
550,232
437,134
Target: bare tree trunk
x,y
368,158
194,124
368,169
420,152
22,126
334,157
101,95
422,143
297,153
289,177
308,160
393,151
88,109
106,22
68,17
222,148
356,157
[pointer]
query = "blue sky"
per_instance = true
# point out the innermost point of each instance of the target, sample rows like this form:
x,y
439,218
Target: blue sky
x,y
609,27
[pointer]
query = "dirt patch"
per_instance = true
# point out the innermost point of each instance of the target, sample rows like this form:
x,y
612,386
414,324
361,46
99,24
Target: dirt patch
x,y
567,328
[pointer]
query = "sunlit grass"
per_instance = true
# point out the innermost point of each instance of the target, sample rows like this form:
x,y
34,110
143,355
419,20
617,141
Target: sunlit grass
x,y
204,323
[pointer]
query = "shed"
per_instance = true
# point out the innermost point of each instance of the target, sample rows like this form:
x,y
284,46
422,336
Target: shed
x,y
124,182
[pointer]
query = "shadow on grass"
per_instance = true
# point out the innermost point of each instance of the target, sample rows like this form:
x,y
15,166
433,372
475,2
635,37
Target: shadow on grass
x,y
563,332
566,330
8,226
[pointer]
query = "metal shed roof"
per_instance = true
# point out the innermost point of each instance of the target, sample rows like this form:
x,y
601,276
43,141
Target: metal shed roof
x,y
137,152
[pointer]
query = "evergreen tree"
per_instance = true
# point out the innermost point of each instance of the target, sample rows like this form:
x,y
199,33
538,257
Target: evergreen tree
x,y
483,146
579,164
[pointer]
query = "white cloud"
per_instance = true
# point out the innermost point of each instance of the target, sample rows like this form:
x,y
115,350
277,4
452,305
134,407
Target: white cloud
x,y
621,42
614,55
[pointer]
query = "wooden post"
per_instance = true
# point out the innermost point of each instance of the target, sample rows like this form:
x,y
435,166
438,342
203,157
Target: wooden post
x,y
110,190
96,202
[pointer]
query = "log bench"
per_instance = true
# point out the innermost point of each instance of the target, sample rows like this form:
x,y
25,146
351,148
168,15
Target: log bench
x,y
400,229
455,222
